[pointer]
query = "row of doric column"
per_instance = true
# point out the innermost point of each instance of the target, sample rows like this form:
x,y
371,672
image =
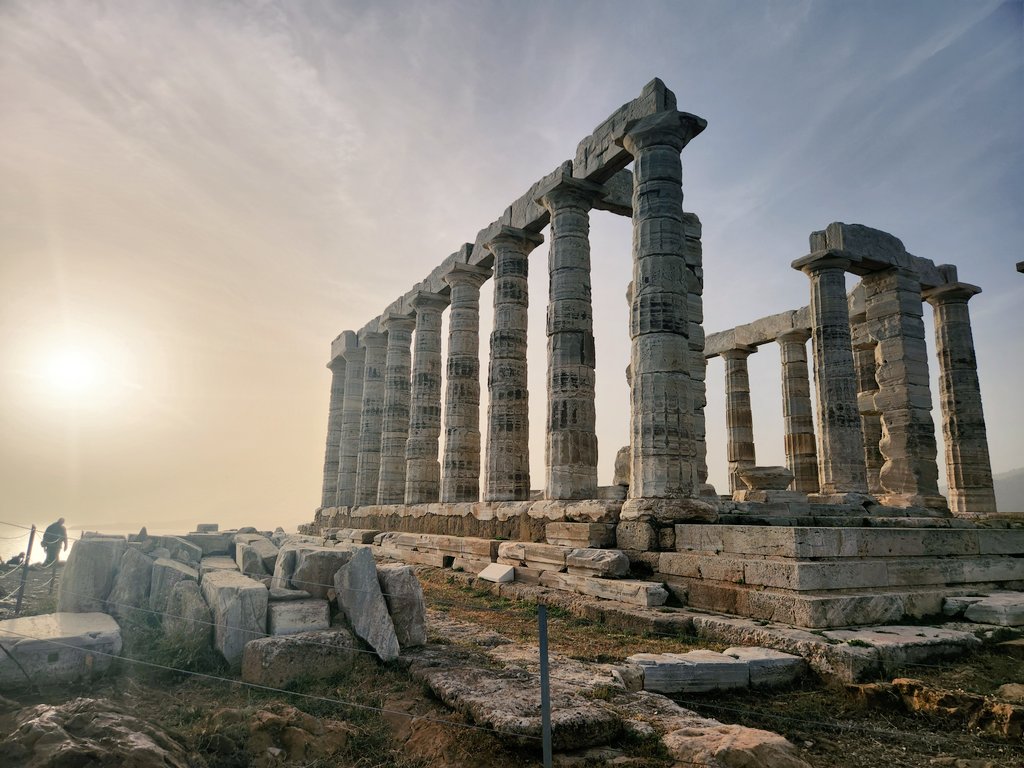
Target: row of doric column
x,y
876,434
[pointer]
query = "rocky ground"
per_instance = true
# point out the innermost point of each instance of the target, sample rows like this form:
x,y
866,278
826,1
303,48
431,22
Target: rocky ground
x,y
392,715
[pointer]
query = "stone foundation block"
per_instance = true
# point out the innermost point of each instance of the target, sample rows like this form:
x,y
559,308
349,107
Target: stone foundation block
x,y
692,672
293,616
580,534
636,534
769,668
645,593
668,511
84,639
602,563
280,661
353,535
543,556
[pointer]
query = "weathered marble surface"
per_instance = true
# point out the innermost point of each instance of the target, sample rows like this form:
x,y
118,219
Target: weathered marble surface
x,y
57,647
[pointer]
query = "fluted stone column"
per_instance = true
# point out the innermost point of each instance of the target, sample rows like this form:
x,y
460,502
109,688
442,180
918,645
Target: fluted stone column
x,y
422,469
368,461
662,442
867,386
351,419
460,466
968,467
329,496
739,420
797,413
570,456
395,421
909,475
698,365
508,416
840,442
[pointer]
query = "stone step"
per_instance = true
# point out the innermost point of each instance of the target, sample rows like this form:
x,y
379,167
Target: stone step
x,y
580,534
459,546
645,593
842,573
820,541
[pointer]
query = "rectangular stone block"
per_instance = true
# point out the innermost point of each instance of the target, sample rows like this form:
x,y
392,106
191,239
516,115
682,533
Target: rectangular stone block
x,y
580,534
529,553
645,593
692,672
56,648
292,616
212,543
239,608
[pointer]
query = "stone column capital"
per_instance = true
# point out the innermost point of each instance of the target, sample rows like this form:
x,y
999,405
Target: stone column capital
x,y
569,192
822,261
393,321
355,355
675,129
795,336
511,237
424,301
950,292
739,352
467,274
370,339
337,364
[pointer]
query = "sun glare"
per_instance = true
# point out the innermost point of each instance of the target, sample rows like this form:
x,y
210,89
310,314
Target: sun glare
x,y
73,371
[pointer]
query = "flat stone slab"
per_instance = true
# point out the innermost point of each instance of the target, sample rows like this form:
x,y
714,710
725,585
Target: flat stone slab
x,y
955,606
769,668
291,617
644,593
531,555
580,534
1003,608
216,563
278,594
497,573
692,672
606,563
57,648
278,661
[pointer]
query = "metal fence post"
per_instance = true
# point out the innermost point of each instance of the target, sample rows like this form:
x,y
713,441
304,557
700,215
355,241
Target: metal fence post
x,y
24,571
545,690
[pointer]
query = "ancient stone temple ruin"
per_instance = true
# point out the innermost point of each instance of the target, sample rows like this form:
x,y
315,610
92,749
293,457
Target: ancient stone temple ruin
x,y
853,530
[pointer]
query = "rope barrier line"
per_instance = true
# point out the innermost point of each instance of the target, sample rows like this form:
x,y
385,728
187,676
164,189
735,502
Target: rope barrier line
x,y
271,689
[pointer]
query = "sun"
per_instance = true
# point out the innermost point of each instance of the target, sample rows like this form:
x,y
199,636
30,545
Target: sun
x,y
73,370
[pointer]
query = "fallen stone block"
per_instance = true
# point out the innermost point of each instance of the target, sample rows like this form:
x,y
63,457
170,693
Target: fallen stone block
x,y
179,549
167,573
1003,608
130,592
279,661
691,672
360,599
239,608
213,543
602,563
291,617
57,648
256,557
497,573
404,597
188,622
207,528
355,535
956,605
769,668
277,594
315,569
216,563
89,574
645,593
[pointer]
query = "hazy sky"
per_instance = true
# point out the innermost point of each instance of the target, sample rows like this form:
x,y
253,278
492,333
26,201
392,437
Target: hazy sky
x,y
196,197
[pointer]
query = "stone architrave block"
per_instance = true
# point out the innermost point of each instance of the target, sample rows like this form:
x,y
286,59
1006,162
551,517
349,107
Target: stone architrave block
x,y
131,585
643,593
56,648
167,573
360,599
580,534
497,573
89,574
291,617
239,608
315,570
188,621
212,543
769,668
602,563
1003,608
279,661
404,597
180,549
216,563
692,672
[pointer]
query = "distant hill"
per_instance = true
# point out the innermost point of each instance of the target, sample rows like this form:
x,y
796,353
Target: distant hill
x,y
1010,490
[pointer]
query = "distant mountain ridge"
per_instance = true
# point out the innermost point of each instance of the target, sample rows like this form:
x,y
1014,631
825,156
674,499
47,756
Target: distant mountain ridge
x,y
1009,490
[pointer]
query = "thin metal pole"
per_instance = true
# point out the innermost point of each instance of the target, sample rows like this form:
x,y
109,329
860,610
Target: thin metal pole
x,y
53,576
24,571
545,691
